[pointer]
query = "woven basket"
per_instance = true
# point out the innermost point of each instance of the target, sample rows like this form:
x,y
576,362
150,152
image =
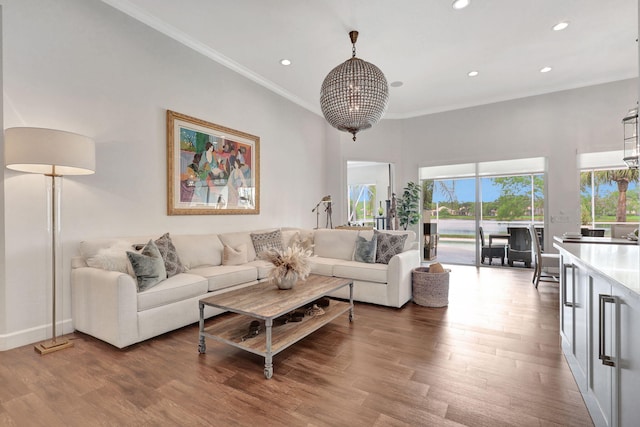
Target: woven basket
x,y
430,289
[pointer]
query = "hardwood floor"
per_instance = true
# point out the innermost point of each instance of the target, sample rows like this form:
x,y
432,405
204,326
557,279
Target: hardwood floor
x,y
491,358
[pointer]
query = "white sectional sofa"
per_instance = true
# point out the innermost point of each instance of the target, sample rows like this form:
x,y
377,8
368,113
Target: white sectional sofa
x,y
107,305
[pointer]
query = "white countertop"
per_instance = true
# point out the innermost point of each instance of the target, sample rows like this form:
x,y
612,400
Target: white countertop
x,y
620,263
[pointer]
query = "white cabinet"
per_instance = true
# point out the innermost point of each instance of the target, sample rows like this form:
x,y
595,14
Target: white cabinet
x,y
566,303
573,318
602,386
628,358
600,329
580,319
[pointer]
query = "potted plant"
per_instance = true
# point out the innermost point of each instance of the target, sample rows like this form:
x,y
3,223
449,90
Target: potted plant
x,y
290,265
409,205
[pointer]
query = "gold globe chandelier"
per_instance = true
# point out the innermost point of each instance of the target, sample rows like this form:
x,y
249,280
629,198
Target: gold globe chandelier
x,y
354,95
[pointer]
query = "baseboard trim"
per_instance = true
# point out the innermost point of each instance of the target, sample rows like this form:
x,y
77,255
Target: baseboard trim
x,y
32,335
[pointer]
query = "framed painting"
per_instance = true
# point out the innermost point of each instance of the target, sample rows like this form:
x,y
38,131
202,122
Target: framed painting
x,y
211,169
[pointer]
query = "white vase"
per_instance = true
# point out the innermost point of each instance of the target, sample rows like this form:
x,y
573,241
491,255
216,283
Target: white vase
x,y
287,281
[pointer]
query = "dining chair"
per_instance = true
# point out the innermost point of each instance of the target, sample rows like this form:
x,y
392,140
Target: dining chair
x,y
490,251
519,246
542,260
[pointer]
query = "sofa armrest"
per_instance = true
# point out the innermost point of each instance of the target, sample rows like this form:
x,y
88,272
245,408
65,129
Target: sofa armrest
x,y
399,286
105,305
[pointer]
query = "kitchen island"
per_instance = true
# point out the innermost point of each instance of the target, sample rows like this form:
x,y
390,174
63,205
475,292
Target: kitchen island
x,y
599,321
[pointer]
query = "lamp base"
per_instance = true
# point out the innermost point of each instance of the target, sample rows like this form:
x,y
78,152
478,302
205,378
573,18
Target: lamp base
x,y
51,346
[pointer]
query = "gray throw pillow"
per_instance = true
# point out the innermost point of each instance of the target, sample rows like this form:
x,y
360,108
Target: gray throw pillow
x,y
365,250
263,242
169,255
148,266
388,246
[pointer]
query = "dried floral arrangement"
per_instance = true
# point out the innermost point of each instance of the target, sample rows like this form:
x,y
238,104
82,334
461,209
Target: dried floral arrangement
x,y
294,258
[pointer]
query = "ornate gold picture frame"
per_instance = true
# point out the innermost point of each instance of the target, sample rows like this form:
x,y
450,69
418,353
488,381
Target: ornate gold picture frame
x,y
211,169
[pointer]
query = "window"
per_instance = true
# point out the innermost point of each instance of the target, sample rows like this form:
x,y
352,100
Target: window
x,y
608,196
609,193
362,208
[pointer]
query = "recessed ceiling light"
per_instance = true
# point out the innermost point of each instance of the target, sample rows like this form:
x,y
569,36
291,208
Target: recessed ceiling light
x,y
472,73
545,69
285,62
560,26
396,84
460,4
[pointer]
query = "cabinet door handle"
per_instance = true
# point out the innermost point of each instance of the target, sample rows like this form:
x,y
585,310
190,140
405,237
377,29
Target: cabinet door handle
x,y
606,360
564,283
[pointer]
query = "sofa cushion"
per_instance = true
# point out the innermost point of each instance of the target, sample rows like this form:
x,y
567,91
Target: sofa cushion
x,y
237,256
338,244
303,239
365,250
264,268
198,249
148,266
223,276
323,266
361,271
177,288
388,246
112,258
236,239
172,262
288,237
264,242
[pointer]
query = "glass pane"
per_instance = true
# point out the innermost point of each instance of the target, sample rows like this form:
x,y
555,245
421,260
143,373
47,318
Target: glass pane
x,y
362,209
514,201
453,210
609,198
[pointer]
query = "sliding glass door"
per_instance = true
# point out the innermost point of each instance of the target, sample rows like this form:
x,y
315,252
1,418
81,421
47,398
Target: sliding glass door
x,y
461,206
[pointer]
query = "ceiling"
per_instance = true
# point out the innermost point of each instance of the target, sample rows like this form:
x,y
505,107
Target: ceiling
x,y
425,44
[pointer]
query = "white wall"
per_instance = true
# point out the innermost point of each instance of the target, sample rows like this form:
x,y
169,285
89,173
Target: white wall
x,y
3,314
557,126
82,66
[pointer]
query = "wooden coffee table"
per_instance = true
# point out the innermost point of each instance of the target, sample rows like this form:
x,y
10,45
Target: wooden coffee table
x,y
266,302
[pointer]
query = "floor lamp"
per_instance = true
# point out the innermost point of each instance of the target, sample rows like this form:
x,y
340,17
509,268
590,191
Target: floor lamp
x,y
53,153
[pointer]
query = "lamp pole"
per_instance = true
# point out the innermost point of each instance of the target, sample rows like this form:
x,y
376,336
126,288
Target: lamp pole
x,y
54,344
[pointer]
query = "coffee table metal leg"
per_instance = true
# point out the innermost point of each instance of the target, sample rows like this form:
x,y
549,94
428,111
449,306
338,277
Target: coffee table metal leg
x,y
202,347
351,302
268,358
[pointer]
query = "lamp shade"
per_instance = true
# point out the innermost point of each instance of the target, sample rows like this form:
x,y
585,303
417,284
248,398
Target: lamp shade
x,y
49,151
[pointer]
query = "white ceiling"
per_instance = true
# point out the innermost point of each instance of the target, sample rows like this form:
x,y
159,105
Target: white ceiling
x,y
426,44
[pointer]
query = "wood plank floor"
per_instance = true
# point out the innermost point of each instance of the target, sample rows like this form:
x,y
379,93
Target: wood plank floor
x,y
491,358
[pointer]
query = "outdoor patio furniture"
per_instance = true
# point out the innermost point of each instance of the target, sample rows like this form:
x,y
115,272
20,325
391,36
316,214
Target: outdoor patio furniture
x,y
519,249
543,260
622,230
489,251
592,232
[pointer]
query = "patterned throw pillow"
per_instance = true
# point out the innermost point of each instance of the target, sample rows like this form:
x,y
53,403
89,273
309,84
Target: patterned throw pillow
x,y
231,256
388,246
169,255
365,250
148,266
263,242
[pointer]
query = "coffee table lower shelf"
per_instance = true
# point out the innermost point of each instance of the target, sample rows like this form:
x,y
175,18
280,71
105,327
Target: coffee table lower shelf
x,y
230,328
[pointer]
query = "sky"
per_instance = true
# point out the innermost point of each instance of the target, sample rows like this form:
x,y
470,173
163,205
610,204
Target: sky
x,y
466,192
